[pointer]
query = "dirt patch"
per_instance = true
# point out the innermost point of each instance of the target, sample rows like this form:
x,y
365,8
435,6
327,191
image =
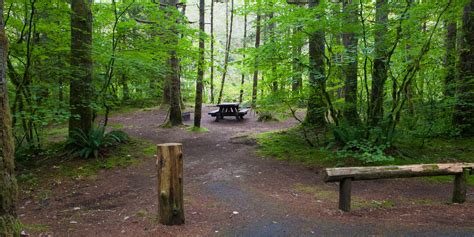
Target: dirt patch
x,y
223,176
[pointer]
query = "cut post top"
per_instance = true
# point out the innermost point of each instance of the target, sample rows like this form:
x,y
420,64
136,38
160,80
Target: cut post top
x,y
169,144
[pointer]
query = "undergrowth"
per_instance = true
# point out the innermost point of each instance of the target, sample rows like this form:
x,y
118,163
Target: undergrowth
x,y
291,145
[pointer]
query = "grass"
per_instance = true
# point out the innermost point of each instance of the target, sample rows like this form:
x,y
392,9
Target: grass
x,y
197,129
290,145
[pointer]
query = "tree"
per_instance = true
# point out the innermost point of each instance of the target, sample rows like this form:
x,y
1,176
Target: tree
x,y
81,90
200,76
175,117
315,115
227,52
212,53
350,41
380,68
8,185
464,114
450,60
244,40
257,45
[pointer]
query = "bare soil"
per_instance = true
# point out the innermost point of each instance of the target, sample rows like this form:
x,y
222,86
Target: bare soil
x,y
230,191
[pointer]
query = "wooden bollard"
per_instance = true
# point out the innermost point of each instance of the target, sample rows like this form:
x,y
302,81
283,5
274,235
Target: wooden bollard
x,y
169,165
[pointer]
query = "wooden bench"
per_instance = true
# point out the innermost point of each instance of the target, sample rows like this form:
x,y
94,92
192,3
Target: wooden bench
x,y
346,175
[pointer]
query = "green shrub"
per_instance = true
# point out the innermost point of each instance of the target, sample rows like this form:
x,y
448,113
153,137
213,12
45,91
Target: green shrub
x,y
94,143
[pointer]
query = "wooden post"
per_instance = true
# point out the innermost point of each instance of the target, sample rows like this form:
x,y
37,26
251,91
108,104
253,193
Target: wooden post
x,y
345,194
460,187
170,184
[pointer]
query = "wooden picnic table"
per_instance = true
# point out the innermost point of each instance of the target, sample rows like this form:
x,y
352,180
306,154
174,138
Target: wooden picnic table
x,y
228,109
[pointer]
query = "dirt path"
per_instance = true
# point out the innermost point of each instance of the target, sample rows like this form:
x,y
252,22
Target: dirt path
x,y
224,176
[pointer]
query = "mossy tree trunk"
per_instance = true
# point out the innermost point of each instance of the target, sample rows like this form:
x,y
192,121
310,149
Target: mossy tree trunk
x,y
200,76
464,114
8,186
350,41
315,115
380,69
257,45
81,90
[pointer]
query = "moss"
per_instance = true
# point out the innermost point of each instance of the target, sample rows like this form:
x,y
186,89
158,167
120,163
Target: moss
x,y
290,145
197,129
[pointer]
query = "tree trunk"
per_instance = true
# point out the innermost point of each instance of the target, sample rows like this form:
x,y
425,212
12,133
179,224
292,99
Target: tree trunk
x,y
125,89
464,113
8,185
200,76
244,41
450,60
350,43
227,52
379,73
315,115
175,117
296,65
212,53
271,29
257,45
81,90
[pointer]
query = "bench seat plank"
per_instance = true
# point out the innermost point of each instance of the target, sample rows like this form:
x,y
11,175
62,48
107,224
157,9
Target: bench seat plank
x,y
387,172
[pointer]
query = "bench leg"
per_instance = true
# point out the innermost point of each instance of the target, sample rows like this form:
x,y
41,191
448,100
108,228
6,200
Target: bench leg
x,y
345,194
460,187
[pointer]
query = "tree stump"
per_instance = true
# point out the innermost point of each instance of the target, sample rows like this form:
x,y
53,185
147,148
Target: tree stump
x,y
170,184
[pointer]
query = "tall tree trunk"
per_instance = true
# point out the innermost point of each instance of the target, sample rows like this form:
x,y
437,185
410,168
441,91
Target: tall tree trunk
x,y
212,52
297,80
227,52
379,73
464,113
200,74
244,41
350,43
81,90
8,185
271,30
125,89
315,115
257,45
450,60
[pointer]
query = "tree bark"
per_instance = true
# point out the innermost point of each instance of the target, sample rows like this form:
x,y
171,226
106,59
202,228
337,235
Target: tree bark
x,y
227,52
257,45
380,69
81,90
212,53
200,76
175,117
296,65
244,41
350,86
8,185
315,115
464,109
450,60
170,184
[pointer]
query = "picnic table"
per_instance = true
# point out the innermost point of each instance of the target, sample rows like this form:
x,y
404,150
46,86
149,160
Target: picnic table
x,y
229,109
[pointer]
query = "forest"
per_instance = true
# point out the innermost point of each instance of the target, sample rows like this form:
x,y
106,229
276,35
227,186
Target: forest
x,y
91,86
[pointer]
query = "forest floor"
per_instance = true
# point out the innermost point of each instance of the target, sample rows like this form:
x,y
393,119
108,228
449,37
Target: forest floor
x,y
231,191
